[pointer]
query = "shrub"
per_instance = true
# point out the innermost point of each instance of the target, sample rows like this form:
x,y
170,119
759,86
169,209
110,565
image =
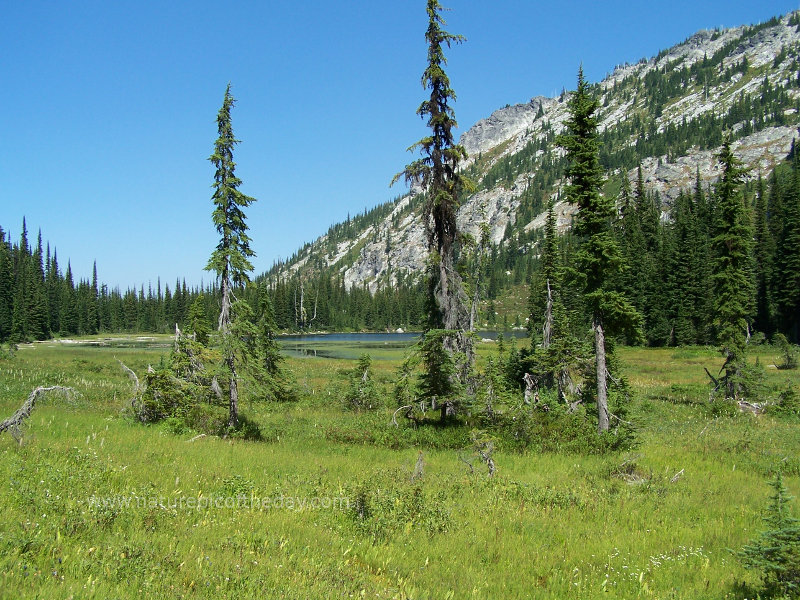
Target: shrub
x,y
362,393
788,351
788,401
556,430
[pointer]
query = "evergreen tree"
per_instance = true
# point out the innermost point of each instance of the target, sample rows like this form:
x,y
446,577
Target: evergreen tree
x,y
787,288
68,316
22,264
53,283
731,275
269,351
559,351
776,551
763,262
681,280
37,297
437,172
230,260
92,315
598,258
6,287
196,323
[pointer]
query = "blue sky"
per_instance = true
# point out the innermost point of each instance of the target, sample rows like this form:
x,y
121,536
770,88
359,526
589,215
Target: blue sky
x,y
109,108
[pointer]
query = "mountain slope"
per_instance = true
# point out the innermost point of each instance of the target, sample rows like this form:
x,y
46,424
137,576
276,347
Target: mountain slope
x,y
668,114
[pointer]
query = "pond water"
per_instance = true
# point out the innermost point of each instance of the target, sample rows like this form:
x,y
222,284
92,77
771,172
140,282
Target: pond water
x,y
349,346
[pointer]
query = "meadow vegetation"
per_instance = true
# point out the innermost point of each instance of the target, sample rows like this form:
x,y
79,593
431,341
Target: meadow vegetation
x,y
334,500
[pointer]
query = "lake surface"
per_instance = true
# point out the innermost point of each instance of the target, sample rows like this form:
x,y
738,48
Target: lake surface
x,y
349,346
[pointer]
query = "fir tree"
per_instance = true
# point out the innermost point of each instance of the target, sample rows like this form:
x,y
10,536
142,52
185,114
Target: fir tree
x,y
230,260
731,275
6,287
776,551
437,172
559,351
598,258
53,284
764,253
196,323
261,355
22,264
37,296
92,316
681,280
69,311
787,261
547,280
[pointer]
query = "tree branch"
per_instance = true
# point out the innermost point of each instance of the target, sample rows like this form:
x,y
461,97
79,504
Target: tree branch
x,y
14,421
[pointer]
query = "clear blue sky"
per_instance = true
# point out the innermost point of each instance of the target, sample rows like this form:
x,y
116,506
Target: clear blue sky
x,y
108,108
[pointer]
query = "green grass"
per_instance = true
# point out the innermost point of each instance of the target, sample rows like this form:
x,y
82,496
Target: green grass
x,y
547,526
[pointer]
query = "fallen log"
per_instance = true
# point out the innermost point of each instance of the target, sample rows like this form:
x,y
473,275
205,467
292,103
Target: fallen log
x,y
754,407
13,423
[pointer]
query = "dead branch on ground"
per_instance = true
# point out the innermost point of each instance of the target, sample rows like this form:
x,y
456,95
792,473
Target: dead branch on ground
x,y
13,423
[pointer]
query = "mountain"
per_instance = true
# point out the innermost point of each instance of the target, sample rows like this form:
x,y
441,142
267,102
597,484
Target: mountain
x,y
667,114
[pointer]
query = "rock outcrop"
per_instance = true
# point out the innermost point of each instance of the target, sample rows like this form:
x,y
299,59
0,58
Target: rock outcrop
x,y
753,59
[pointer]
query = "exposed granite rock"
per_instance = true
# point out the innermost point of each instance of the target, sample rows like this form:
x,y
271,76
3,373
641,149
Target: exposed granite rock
x,y
398,245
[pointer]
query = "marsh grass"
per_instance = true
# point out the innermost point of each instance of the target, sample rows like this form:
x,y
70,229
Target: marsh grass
x,y
548,525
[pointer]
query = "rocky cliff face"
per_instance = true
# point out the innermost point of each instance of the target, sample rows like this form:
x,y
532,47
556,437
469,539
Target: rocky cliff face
x,y
711,73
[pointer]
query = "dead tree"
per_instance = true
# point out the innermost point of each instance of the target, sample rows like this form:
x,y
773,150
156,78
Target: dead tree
x,y
136,399
301,318
15,421
601,372
485,451
547,328
530,387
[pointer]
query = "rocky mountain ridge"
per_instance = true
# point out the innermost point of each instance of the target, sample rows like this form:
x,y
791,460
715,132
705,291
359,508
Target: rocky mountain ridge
x,y
743,79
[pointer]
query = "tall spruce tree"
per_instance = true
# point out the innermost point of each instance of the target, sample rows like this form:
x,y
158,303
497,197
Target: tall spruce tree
x,y
53,285
20,310
6,287
787,264
598,258
437,172
731,271
764,255
230,260
68,316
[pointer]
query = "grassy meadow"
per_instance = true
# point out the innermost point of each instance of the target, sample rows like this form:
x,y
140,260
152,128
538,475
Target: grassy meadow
x,y
326,505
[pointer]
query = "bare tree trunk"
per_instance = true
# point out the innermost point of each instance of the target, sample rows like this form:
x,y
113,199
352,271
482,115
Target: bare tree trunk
x,y
225,312
474,308
530,387
233,418
600,366
547,330
296,311
300,314
224,329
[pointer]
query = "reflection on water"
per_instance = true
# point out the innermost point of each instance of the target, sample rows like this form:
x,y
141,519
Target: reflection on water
x,y
349,346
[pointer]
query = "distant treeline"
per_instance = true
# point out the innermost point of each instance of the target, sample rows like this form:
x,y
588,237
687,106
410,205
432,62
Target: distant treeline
x,y
39,300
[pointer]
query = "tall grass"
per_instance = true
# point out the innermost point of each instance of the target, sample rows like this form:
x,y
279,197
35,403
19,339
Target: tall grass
x,y
94,505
